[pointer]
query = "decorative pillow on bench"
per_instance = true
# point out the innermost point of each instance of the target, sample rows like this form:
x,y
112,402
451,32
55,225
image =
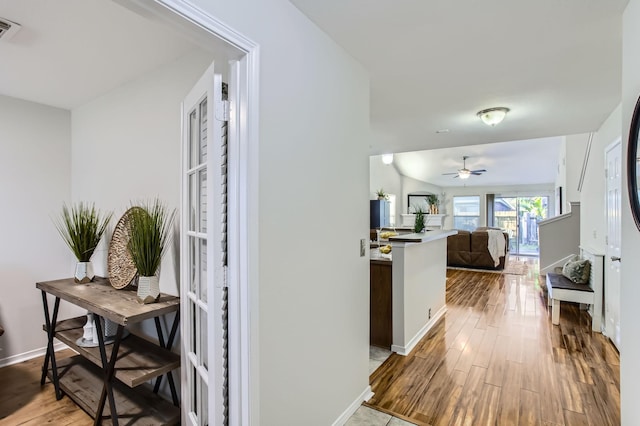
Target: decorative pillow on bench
x,y
577,271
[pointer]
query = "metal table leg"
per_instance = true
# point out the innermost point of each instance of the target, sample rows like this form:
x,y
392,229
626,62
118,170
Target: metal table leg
x,y
168,345
50,325
109,369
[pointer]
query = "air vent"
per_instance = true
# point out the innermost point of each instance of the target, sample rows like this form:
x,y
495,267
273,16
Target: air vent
x,y
8,29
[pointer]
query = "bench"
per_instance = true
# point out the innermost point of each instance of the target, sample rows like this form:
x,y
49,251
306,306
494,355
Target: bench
x,y
562,289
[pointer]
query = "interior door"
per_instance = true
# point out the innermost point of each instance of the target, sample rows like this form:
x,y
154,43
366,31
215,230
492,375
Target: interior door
x,y
613,158
203,254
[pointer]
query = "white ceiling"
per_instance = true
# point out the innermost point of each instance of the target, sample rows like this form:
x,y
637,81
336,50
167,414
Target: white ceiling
x,y
504,162
71,51
434,64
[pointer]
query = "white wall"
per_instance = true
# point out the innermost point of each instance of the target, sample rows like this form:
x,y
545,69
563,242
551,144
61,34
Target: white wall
x,y
593,224
35,172
411,186
422,293
126,148
385,176
505,191
576,146
561,177
313,172
630,267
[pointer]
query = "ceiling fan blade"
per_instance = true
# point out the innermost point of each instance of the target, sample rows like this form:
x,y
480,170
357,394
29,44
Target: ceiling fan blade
x,y
456,176
478,171
454,173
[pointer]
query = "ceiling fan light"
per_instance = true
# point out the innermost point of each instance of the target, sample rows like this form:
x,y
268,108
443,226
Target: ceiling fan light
x,y
493,116
387,158
464,174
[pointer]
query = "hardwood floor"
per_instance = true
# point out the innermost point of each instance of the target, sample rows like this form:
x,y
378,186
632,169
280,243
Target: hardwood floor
x,y
24,402
496,359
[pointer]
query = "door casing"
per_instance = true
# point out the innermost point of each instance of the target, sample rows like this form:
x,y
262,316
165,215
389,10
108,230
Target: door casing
x,y
212,34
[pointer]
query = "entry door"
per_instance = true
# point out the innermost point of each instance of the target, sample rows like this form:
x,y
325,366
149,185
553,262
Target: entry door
x,y
613,155
203,254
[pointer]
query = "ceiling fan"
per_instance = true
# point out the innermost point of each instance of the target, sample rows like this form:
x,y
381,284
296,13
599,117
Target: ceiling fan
x,y
464,173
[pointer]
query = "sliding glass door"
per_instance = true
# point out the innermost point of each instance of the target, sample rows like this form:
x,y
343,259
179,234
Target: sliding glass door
x,y
520,216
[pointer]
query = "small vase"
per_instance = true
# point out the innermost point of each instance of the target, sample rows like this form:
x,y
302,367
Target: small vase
x,y
148,289
84,272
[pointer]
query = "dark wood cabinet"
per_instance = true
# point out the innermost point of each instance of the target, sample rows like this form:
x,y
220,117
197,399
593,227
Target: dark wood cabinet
x,y
380,213
380,320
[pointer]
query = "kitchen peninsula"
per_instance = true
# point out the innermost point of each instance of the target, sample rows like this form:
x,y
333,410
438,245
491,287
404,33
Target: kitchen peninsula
x,y
414,299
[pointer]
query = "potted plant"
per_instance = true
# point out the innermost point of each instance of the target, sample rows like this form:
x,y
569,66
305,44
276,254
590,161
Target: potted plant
x,y
149,236
432,199
381,194
418,227
82,226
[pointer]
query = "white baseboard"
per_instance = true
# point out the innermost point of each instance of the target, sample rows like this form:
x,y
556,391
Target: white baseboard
x,y
404,350
364,396
25,356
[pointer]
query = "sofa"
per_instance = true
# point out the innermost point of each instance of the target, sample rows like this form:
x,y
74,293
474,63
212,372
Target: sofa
x,y
470,249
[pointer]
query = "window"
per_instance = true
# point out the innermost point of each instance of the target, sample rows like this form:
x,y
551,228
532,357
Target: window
x,y
466,212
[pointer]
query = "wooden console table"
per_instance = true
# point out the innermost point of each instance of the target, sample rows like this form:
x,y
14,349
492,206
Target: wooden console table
x,y
88,378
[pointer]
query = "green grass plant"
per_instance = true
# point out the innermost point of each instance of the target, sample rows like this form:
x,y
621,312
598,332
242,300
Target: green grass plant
x,y
81,226
149,235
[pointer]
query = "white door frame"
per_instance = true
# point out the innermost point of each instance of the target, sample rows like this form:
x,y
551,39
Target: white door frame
x,y
609,328
209,32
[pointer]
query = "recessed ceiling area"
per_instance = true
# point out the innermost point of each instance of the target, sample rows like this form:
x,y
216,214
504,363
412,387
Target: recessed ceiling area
x,y
434,64
527,162
70,52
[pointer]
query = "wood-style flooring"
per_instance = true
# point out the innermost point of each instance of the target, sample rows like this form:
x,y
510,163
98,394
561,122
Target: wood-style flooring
x,y
496,359
24,402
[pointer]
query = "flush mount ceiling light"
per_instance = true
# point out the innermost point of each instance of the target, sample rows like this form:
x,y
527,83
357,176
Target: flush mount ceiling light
x,y
493,116
387,158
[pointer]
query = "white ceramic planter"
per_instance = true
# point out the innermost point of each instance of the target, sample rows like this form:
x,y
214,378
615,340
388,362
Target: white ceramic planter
x,y
89,338
148,289
84,272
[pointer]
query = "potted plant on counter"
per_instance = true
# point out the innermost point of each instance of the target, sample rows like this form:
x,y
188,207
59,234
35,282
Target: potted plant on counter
x,y
150,235
82,226
381,194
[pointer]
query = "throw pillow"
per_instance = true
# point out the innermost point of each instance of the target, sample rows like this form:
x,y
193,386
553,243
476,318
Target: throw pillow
x,y
577,271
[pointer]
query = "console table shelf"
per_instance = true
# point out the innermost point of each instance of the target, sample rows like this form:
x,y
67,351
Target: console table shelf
x,y
82,382
109,373
138,359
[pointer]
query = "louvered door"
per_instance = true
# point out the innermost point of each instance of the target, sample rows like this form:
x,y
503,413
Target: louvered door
x,y
203,255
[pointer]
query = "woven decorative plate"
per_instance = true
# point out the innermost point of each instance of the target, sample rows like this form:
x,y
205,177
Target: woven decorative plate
x,y
122,271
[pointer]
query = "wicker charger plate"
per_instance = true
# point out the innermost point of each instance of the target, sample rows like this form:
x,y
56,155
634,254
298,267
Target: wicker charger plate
x,y
122,271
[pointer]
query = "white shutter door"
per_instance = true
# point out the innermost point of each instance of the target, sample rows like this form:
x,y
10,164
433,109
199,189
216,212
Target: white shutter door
x,y
203,255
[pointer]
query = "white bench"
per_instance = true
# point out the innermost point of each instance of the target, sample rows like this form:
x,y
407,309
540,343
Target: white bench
x,y
561,289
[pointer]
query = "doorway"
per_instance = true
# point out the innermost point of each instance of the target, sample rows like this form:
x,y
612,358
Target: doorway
x,y
613,159
519,216
217,331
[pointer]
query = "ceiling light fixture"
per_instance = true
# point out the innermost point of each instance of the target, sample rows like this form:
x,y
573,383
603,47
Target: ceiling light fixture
x,y
387,159
493,116
464,174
